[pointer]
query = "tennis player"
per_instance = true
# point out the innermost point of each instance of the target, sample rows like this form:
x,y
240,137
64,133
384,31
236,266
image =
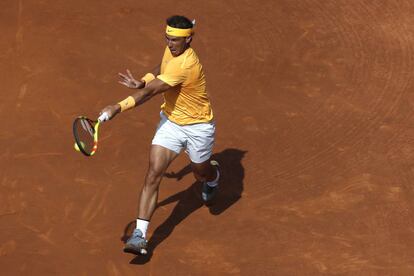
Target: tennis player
x,y
186,121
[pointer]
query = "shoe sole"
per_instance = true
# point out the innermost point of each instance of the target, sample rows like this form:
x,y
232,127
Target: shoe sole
x,y
142,251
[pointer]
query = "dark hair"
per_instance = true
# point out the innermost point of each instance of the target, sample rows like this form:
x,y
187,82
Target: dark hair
x,y
179,22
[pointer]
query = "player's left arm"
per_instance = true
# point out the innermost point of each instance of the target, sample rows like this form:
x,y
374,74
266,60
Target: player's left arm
x,y
153,88
174,74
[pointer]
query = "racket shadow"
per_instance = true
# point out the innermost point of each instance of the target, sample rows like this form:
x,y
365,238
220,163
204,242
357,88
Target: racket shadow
x,y
189,200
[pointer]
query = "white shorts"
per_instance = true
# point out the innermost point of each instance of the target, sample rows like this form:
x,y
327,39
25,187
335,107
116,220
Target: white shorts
x,y
197,139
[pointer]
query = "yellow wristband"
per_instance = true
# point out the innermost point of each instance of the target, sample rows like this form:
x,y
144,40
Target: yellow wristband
x,y
148,78
126,104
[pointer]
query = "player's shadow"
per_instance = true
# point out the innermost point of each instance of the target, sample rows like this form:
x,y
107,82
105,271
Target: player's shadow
x,y
189,200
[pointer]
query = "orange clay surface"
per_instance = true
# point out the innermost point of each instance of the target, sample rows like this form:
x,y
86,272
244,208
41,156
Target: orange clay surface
x,y
315,133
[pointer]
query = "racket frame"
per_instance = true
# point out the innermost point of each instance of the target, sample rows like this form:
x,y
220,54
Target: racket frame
x,y
95,135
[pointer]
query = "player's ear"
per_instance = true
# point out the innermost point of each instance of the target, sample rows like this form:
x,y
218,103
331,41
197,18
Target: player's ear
x,y
189,39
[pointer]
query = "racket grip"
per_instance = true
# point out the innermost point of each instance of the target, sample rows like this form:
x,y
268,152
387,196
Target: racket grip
x,y
103,117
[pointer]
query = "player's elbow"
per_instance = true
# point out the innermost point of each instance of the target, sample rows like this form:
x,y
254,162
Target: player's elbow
x,y
157,86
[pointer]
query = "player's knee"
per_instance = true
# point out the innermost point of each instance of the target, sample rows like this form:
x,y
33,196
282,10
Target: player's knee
x,y
204,172
153,177
200,174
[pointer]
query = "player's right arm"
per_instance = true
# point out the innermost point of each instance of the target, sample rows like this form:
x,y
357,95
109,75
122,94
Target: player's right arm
x,y
129,81
153,88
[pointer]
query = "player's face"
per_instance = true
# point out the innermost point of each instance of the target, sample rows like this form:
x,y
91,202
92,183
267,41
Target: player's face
x,y
177,45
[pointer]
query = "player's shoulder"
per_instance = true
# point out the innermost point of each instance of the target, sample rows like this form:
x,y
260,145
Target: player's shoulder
x,y
189,58
186,60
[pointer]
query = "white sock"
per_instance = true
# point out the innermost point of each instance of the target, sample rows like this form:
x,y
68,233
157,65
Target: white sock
x,y
214,183
142,225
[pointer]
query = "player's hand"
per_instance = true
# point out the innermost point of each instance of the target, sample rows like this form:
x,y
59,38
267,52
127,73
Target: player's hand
x,y
111,111
129,81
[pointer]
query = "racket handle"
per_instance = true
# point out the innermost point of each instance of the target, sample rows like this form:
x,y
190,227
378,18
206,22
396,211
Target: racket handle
x,y
104,117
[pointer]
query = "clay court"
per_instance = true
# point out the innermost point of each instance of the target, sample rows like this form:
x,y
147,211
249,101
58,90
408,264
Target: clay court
x,y
315,134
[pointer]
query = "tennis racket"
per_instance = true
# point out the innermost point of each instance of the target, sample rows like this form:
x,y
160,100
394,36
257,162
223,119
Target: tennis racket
x,y
85,131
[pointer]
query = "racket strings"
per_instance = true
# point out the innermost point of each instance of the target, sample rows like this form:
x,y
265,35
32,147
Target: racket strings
x,y
84,132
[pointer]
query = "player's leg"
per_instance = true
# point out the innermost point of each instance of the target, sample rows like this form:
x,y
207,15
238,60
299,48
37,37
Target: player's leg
x,y
160,159
200,142
204,172
207,173
166,145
